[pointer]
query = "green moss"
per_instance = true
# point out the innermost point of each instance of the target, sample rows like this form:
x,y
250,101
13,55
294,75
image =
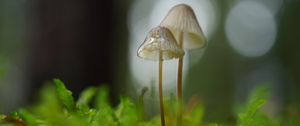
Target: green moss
x,y
57,107
250,114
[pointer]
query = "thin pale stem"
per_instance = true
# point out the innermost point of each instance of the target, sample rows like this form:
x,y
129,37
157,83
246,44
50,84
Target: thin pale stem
x,y
141,104
162,112
179,82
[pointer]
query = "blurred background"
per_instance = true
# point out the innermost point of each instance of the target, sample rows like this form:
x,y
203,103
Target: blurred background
x,y
91,42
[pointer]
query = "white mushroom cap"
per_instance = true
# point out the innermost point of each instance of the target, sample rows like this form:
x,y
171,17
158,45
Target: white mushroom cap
x,y
160,39
181,18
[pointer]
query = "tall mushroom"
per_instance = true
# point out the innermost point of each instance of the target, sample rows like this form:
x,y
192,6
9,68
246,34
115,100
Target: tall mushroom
x,y
182,22
160,45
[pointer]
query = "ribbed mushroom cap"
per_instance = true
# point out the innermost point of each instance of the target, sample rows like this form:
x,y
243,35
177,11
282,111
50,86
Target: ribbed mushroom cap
x,y
160,39
181,18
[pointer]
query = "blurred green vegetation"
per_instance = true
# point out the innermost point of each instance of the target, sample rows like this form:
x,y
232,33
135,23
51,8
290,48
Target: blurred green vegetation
x,y
57,107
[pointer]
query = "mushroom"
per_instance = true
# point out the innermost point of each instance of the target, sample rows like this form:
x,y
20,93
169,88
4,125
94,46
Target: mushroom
x,y
160,45
182,22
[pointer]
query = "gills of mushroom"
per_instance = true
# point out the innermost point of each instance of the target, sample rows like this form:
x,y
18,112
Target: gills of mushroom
x,y
160,45
182,21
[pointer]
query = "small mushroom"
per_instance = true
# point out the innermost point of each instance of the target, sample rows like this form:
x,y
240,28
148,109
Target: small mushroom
x,y
182,21
160,40
160,45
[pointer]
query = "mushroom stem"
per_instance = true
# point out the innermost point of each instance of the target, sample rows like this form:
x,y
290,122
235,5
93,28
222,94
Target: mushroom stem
x,y
179,82
162,113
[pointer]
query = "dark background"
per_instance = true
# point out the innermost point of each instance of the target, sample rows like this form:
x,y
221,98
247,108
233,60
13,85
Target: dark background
x,y
76,42
81,42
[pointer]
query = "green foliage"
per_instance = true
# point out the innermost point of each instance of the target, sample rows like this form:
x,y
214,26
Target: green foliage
x,y
250,114
64,95
102,98
85,99
57,107
127,113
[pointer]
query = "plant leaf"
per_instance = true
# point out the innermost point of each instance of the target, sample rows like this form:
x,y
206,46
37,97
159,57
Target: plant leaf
x,y
64,95
29,119
256,100
85,98
102,98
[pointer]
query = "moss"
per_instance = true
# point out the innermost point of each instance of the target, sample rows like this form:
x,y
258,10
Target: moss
x,y
57,107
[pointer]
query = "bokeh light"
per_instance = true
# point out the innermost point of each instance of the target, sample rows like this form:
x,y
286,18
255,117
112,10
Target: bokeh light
x,y
251,28
272,5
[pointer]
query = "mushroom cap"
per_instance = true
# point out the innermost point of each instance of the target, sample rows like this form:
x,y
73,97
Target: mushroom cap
x,y
160,39
181,18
